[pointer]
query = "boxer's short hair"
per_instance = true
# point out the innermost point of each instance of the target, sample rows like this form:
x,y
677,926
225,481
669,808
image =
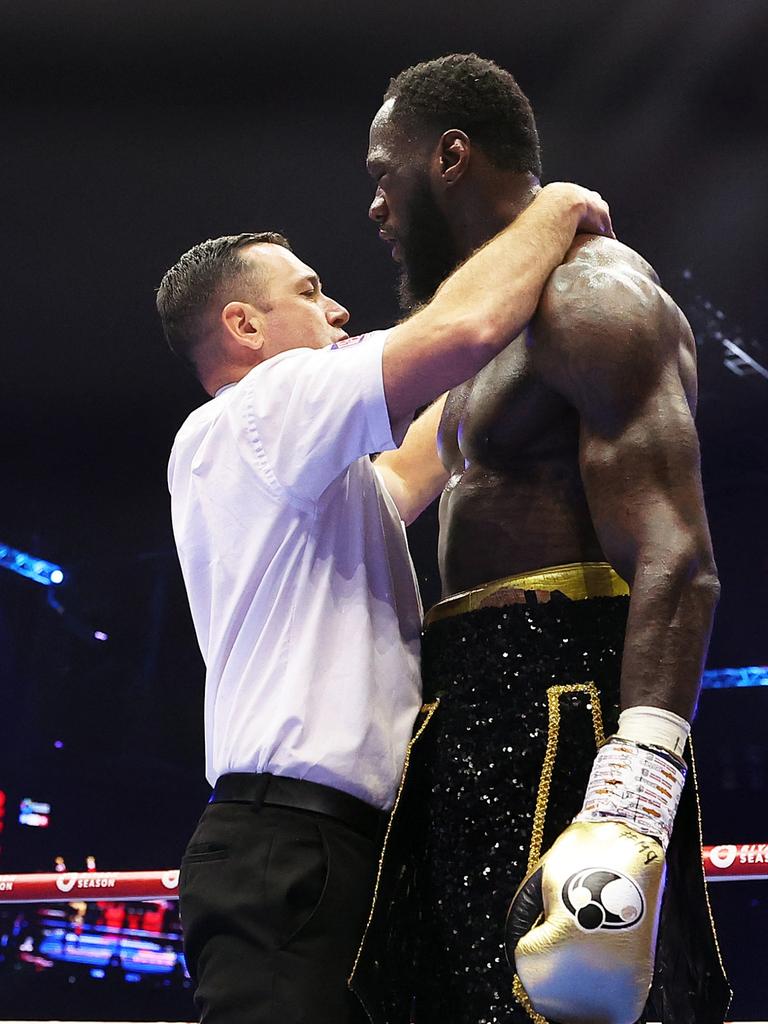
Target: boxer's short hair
x,y
210,269
462,90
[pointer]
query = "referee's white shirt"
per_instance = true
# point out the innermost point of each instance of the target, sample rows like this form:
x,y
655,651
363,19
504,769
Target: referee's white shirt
x,y
302,591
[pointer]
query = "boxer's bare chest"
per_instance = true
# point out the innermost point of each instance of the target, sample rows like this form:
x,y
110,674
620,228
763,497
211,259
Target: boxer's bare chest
x,y
503,414
514,500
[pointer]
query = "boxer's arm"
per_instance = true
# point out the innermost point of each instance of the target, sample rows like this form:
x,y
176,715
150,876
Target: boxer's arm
x,y
413,473
617,348
613,344
487,301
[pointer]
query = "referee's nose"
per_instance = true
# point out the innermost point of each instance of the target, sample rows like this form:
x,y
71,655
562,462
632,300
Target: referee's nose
x,y
335,313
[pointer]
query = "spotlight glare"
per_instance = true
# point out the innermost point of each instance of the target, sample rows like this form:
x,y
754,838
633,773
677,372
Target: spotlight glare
x,y
33,568
724,678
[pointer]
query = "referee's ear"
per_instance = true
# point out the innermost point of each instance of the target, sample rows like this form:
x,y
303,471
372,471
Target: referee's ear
x,y
243,325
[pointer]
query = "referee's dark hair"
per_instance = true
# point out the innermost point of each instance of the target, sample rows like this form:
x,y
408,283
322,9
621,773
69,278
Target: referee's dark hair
x,y
210,268
462,90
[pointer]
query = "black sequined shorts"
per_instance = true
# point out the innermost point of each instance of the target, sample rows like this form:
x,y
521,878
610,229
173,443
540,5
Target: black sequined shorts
x,y
512,682
507,687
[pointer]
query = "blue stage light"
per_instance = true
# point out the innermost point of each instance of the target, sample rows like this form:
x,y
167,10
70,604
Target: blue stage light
x,y
724,678
36,569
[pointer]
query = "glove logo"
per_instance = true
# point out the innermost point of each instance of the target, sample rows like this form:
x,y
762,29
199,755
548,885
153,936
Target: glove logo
x,y
601,898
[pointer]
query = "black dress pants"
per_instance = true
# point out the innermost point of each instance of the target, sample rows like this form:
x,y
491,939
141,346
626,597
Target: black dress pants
x,y
273,904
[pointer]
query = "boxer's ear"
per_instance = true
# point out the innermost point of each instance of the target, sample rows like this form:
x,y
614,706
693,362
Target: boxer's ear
x,y
454,155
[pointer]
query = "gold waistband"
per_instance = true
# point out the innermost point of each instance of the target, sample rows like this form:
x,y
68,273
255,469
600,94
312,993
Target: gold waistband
x,y
577,581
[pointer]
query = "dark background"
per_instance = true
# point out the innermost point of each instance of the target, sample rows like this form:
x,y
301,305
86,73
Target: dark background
x,y
130,132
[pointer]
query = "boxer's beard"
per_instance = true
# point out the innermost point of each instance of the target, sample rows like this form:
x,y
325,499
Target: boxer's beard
x,y
427,249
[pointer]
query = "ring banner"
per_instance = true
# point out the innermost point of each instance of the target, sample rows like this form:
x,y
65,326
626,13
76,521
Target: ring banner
x,y
736,862
89,886
727,862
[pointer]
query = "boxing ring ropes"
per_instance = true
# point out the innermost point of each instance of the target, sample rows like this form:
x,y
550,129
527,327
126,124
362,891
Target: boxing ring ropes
x,y
727,862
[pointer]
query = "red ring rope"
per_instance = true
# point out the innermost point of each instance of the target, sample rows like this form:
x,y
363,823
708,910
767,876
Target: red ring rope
x,y
729,862
735,862
69,886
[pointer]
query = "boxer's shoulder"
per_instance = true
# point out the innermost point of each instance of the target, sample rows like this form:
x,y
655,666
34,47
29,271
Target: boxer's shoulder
x,y
590,254
599,279
604,310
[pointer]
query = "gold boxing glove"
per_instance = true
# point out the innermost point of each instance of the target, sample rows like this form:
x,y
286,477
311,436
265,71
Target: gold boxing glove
x,y
581,930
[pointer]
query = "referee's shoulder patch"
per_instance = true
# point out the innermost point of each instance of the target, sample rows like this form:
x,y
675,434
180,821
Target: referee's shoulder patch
x,y
346,342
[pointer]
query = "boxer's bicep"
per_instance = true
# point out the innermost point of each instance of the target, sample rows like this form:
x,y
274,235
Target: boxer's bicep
x,y
643,487
619,365
615,354
643,482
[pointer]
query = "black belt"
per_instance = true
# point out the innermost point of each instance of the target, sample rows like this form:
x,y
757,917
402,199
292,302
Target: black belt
x,y
300,794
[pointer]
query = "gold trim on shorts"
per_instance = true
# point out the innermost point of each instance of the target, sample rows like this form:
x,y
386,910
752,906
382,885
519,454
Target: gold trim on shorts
x,y
592,705
577,581
426,713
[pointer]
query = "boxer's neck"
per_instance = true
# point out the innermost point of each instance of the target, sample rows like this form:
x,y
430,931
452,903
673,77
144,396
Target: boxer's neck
x,y
486,211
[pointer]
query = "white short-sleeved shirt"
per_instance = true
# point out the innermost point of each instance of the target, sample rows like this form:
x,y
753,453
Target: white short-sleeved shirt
x,y
300,584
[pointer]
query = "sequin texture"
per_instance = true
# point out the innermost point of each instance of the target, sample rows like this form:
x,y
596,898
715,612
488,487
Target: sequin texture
x,y
472,793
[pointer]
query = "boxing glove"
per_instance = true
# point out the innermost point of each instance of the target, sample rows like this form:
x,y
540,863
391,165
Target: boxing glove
x,y
581,929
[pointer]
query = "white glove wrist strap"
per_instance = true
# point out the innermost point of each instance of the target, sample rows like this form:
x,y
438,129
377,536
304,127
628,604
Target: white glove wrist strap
x,y
654,727
637,785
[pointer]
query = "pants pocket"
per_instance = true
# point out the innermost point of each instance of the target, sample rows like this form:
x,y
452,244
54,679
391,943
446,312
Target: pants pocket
x,y
197,853
296,878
